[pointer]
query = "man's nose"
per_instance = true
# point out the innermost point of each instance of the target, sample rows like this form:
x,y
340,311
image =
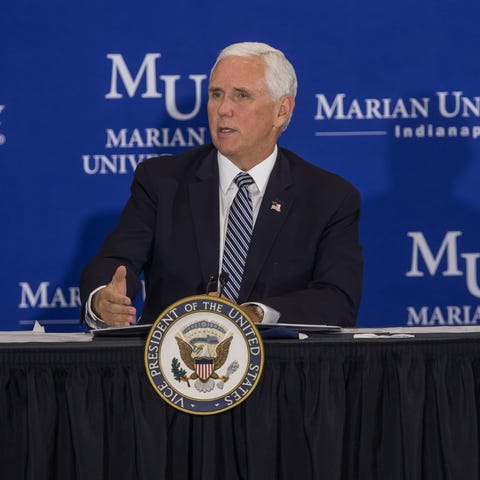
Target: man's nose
x,y
225,107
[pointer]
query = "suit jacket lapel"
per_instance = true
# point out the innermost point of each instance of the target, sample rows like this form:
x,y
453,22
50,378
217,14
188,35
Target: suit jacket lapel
x,y
204,203
276,205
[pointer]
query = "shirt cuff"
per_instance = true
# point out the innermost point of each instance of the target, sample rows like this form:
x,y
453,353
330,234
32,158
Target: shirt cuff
x,y
92,320
270,315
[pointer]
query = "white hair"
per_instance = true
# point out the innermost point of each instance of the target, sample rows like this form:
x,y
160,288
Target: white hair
x,y
280,75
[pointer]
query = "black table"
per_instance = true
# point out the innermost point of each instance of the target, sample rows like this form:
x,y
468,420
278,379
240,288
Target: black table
x,y
328,407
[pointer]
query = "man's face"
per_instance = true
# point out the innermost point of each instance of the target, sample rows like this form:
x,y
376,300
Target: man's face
x,y
244,120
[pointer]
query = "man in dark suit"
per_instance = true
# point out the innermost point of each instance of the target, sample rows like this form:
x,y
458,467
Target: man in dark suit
x,y
304,262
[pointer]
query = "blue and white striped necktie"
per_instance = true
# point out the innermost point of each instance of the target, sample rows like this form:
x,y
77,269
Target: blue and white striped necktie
x,y
238,235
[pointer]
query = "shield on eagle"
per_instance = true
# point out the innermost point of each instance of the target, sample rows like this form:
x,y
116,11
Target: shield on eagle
x,y
204,367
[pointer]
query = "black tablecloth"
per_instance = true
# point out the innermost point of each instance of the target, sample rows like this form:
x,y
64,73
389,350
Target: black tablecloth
x,y
329,407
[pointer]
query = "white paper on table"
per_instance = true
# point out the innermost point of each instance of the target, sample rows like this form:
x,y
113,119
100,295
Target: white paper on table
x,y
38,334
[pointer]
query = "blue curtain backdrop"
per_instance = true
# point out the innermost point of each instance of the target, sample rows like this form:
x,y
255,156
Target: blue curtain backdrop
x,y
389,97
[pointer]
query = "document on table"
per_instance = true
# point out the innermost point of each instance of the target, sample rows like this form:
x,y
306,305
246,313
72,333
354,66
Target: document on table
x,y
38,334
408,332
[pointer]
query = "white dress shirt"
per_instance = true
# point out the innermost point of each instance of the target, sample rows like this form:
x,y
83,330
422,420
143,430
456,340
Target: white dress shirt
x,y
228,189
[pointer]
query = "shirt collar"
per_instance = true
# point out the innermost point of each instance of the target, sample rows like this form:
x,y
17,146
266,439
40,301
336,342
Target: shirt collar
x,y
260,172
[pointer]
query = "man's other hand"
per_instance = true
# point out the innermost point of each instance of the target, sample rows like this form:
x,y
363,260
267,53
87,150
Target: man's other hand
x,y
248,309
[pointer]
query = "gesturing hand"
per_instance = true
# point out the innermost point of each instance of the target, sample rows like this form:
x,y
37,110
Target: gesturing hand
x,y
111,303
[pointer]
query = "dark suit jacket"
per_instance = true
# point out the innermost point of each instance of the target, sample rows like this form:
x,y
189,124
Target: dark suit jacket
x,y
305,260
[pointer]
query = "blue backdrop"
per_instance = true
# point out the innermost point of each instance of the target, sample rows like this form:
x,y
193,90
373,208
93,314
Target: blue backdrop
x,y
389,98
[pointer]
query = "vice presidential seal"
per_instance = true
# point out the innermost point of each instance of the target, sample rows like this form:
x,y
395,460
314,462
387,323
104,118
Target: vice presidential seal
x,y
204,355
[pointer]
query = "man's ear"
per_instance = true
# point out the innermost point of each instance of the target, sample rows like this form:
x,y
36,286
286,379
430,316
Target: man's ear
x,y
286,104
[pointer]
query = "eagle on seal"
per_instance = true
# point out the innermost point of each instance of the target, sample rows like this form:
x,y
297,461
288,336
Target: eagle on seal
x,y
193,356
189,353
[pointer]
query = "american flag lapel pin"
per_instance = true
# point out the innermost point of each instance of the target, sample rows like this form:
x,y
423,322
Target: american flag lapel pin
x,y
277,206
